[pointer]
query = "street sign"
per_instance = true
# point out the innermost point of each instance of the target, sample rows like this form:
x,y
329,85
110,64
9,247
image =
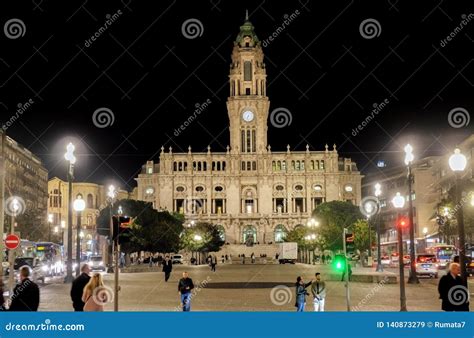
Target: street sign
x,y
12,242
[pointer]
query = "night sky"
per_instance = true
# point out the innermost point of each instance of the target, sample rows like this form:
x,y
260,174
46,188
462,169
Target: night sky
x,y
322,68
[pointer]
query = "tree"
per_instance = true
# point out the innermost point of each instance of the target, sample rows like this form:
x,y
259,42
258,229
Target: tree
x,y
202,237
32,225
333,217
150,230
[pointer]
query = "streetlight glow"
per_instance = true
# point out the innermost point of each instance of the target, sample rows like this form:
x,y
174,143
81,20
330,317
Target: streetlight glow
x,y
111,192
457,161
408,154
69,155
398,201
50,218
378,189
79,204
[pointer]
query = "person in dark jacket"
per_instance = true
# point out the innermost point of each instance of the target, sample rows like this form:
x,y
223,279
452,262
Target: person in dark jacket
x,y
167,267
452,290
301,293
26,295
185,286
77,288
2,300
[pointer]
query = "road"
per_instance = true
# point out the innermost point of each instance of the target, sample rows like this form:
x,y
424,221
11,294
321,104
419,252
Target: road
x,y
245,288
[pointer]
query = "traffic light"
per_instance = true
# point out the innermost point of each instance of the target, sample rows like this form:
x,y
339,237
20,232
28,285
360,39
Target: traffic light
x,y
121,226
402,222
350,246
339,263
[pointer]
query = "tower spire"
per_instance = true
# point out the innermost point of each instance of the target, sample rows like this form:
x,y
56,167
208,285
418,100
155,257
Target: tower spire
x,y
246,15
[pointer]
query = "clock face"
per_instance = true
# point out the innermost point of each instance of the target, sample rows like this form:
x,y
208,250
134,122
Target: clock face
x,y
247,116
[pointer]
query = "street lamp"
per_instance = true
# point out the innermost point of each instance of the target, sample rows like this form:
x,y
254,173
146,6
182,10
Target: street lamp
x,y
15,208
50,221
378,192
399,202
457,163
79,206
63,226
69,156
111,193
412,279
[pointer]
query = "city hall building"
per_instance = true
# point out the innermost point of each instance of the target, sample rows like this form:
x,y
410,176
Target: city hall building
x,y
253,193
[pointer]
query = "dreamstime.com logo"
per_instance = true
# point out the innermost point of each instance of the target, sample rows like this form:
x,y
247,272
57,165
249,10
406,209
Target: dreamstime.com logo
x,y
458,117
192,28
281,295
281,117
458,295
14,29
45,326
21,108
370,28
103,117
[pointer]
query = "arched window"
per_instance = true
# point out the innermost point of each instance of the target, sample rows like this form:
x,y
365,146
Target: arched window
x,y
221,231
249,235
90,201
280,233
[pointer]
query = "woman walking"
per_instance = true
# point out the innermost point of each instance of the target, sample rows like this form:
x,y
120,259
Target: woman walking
x,y
95,294
301,293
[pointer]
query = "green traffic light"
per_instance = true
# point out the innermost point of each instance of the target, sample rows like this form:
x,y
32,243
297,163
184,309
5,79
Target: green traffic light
x,y
338,265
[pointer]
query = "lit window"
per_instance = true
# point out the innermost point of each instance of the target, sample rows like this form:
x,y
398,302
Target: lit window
x,y
149,191
348,188
318,187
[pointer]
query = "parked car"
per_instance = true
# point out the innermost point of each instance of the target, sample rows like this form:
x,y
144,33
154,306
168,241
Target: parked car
x,y
38,270
385,260
469,264
406,260
96,263
426,265
177,259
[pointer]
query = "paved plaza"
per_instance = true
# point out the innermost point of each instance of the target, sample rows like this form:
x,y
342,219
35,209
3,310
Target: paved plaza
x,y
247,288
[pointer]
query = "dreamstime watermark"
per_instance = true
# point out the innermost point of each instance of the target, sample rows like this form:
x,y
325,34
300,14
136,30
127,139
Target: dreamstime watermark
x,y
287,20
370,28
17,291
110,19
281,117
371,294
465,20
103,295
103,117
281,295
369,206
45,326
458,295
14,206
458,117
195,292
199,108
378,107
14,29
192,28
22,107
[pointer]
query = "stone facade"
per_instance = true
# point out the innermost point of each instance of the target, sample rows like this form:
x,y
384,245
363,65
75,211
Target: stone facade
x,y
250,191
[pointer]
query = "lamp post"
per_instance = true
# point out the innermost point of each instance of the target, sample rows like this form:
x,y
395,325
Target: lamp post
x,y
457,163
14,208
117,257
50,221
312,224
69,156
111,195
378,192
63,226
398,202
79,206
412,279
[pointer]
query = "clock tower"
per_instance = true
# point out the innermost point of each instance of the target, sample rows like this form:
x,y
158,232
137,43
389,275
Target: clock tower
x,y
247,104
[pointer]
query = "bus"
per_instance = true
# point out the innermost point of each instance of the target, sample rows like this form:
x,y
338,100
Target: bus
x,y
444,253
51,254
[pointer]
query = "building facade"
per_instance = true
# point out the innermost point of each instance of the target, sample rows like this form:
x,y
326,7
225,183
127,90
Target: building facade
x,y
25,178
95,197
252,192
432,180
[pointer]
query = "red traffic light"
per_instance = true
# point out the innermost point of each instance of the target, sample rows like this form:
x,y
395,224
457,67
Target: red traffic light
x,y
402,222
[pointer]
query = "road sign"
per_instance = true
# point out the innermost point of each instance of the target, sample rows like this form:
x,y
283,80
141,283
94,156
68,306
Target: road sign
x,y
12,242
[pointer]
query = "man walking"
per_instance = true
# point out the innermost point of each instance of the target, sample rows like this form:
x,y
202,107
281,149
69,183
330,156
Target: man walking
x,y
185,286
77,288
318,289
213,263
452,290
167,267
26,295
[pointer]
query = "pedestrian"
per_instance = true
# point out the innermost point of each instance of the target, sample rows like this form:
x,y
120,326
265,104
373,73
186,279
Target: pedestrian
x,y
222,259
150,263
226,257
243,258
252,257
318,289
26,295
2,300
77,288
93,296
213,263
167,267
301,293
452,289
323,258
185,285
349,269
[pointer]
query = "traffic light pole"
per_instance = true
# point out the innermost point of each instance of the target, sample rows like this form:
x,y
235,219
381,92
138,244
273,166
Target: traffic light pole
x,y
346,271
403,300
412,279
